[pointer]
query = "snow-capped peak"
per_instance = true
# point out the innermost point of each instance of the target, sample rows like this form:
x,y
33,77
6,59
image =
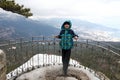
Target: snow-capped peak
x,y
8,14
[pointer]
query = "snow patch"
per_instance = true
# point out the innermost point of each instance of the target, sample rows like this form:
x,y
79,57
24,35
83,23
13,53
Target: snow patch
x,y
1,51
44,59
37,74
13,47
4,15
94,34
48,73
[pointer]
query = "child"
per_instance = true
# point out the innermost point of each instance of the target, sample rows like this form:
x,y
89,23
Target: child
x,y
66,35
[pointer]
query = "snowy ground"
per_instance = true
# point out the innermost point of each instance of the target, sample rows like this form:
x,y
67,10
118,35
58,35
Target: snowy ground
x,y
53,73
53,60
1,51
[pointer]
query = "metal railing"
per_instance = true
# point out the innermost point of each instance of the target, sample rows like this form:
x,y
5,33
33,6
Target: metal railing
x,y
96,56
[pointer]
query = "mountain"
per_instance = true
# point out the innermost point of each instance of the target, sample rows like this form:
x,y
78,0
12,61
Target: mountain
x,y
86,30
14,26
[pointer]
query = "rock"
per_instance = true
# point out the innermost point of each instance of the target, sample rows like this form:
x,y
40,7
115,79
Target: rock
x,y
54,73
66,78
103,76
2,65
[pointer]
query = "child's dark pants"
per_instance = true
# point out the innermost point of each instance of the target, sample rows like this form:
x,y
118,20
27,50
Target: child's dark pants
x,y
65,59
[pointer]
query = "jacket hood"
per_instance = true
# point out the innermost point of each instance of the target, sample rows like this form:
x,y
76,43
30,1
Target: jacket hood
x,y
69,22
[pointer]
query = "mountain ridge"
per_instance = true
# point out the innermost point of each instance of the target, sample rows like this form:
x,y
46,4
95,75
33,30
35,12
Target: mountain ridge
x,y
22,27
85,29
15,26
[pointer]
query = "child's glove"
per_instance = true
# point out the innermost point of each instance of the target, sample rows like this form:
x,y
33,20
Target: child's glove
x,y
76,38
55,36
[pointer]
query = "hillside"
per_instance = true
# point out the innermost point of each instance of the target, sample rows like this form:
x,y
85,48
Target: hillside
x,y
90,55
15,26
85,29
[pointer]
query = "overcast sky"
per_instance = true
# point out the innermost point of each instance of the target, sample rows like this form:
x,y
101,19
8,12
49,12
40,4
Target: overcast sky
x,y
105,12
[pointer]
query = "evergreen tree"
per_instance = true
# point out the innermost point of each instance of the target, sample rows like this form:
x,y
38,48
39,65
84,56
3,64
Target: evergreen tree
x,y
10,5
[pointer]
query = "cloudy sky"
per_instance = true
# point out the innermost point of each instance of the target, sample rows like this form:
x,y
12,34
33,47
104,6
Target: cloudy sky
x,y
105,12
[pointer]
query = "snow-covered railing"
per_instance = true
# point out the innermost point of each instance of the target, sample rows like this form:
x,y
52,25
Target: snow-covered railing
x,y
37,62
93,54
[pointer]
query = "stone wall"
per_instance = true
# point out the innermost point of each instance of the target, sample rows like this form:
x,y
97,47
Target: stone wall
x,y
2,65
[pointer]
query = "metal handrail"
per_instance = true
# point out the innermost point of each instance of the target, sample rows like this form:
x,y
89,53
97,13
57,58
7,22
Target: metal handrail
x,y
21,50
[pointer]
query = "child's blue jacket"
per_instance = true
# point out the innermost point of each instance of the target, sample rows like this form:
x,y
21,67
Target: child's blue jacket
x,y
66,36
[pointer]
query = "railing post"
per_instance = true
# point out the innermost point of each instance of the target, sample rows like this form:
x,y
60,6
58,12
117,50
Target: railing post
x,y
98,43
32,44
87,43
43,46
21,42
2,65
54,43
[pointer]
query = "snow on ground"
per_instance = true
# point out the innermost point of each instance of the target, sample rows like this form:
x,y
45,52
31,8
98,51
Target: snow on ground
x,y
45,59
1,51
55,72
52,73
8,14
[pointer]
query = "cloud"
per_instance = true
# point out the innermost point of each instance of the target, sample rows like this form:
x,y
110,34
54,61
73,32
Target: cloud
x,y
97,11
73,7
